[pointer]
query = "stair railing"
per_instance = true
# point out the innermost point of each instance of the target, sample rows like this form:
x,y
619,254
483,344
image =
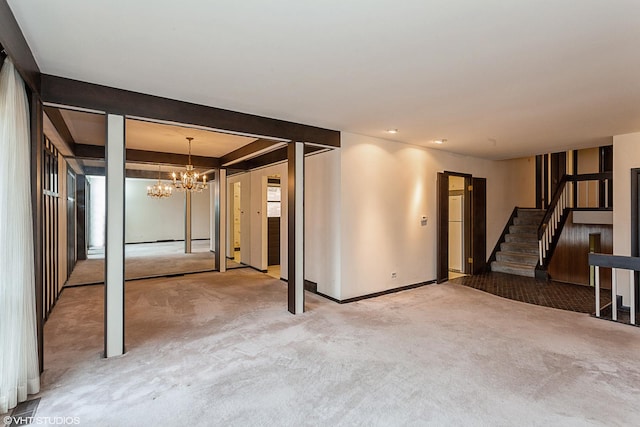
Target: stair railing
x,y
555,212
615,262
565,199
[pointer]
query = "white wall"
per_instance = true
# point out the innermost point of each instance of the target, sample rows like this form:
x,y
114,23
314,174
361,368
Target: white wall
x,y
322,205
149,220
626,156
322,219
385,189
253,222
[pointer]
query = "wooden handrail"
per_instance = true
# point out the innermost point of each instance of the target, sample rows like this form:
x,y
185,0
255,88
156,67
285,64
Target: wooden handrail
x,y
590,177
603,176
614,261
552,206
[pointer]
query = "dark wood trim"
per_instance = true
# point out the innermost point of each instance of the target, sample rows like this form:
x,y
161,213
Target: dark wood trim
x,y
247,150
605,164
37,212
63,91
478,220
86,151
615,261
142,156
467,246
442,227
129,173
378,294
81,216
502,237
275,156
97,152
61,126
635,227
464,175
16,46
539,201
545,181
601,176
217,189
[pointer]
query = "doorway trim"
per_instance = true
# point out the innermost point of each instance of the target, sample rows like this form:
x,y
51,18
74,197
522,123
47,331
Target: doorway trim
x,y
474,228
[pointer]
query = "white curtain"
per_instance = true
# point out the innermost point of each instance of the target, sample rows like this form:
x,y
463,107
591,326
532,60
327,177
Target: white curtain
x,y
19,373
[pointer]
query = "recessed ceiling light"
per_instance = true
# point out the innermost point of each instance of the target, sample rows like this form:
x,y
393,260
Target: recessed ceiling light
x,y
392,130
439,141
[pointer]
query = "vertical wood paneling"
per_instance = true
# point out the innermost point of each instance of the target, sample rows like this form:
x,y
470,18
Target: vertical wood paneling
x,y
570,261
50,240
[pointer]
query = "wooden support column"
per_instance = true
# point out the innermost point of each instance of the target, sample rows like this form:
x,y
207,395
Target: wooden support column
x,y
220,212
295,207
114,245
187,222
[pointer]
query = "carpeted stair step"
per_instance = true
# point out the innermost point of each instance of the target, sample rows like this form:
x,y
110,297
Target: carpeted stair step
x,y
537,213
525,247
513,268
522,238
527,220
523,229
517,258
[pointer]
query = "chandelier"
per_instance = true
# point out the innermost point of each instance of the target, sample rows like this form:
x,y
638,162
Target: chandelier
x,y
159,191
189,178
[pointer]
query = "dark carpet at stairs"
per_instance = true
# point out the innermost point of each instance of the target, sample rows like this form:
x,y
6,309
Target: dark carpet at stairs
x,y
549,294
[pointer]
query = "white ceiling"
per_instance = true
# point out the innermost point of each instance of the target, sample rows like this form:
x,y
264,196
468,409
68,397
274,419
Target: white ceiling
x,y
496,78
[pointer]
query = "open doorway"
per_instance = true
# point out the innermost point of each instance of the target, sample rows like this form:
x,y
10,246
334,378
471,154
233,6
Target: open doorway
x,y
236,221
461,225
274,212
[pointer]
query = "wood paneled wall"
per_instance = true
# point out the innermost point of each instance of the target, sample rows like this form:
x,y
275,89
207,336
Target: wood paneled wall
x,y
570,261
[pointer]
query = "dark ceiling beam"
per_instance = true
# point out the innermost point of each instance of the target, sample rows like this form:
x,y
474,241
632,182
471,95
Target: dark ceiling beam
x,y
129,173
247,150
272,157
14,43
85,151
61,126
60,90
142,156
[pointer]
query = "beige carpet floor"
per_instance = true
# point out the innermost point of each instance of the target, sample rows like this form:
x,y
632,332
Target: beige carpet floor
x,y
146,260
221,349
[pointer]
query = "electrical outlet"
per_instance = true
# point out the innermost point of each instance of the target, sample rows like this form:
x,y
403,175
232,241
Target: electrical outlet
x,y
394,275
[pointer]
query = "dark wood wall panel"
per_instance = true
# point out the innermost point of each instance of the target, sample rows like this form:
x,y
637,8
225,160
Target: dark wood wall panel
x,y
570,261
273,241
479,215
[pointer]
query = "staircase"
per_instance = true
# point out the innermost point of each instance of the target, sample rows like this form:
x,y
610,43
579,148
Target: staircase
x,y
518,254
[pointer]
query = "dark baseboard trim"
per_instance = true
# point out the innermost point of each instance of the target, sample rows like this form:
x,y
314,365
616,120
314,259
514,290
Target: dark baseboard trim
x,y
308,286
161,276
254,268
378,294
163,241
